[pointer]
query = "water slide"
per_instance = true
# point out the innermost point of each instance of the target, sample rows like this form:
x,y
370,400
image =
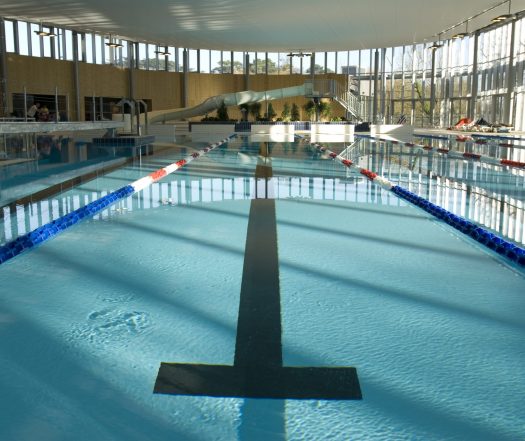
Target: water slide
x,y
229,99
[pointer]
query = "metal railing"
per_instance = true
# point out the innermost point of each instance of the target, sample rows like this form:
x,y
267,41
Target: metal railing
x,y
328,88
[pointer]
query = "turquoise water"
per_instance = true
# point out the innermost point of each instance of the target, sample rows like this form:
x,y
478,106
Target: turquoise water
x,y
432,321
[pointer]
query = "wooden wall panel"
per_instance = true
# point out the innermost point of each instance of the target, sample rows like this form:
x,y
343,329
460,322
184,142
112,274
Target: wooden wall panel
x,y
40,76
164,89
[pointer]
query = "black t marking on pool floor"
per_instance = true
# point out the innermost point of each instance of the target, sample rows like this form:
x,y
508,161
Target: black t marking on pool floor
x,y
258,370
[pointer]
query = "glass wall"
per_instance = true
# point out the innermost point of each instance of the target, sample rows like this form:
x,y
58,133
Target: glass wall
x,y
486,83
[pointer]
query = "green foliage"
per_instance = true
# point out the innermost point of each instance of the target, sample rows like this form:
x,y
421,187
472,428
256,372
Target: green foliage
x,y
425,105
227,67
255,110
271,114
286,114
310,109
222,113
319,69
295,115
325,109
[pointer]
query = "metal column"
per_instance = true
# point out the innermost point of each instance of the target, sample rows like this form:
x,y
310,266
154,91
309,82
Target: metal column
x,y
185,77
383,84
133,57
4,93
474,91
246,71
433,88
376,83
507,106
76,78
312,67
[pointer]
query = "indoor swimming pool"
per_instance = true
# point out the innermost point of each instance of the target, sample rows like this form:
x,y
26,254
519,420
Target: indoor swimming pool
x,y
265,268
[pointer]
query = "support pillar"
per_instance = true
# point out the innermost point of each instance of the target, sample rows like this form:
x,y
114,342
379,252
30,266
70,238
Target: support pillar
x,y
76,76
433,88
246,71
376,84
474,91
511,72
383,85
185,77
132,66
312,67
4,91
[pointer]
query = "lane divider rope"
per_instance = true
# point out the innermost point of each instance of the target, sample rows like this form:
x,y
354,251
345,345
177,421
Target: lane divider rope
x,y
483,236
454,154
51,229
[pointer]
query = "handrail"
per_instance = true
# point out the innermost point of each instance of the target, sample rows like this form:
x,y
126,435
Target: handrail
x,y
329,88
16,119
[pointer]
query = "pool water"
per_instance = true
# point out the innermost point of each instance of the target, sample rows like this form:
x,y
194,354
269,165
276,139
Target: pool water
x,y
432,321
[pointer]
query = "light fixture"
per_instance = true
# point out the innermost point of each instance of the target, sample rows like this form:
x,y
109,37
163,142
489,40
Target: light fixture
x,y
503,17
299,54
43,33
436,45
112,43
461,34
162,52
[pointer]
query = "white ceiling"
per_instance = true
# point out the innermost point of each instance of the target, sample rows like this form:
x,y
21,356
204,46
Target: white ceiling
x,y
264,25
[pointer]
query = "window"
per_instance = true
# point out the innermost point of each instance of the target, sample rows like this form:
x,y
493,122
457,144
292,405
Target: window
x,y
143,57
88,38
79,44
238,62
259,63
58,43
35,40
284,63
23,43
319,65
153,58
295,64
215,62
98,57
170,59
108,51
9,35
330,62
342,62
124,53
47,42
162,59
192,60
180,59
204,61
273,63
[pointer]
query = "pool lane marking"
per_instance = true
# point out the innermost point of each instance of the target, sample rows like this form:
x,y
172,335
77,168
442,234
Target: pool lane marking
x,y
51,229
483,236
258,370
453,154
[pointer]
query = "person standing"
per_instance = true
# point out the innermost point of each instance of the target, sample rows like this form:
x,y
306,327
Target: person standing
x,y
33,111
